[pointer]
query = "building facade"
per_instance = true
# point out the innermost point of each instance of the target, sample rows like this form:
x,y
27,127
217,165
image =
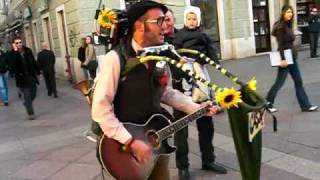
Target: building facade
x,y
238,28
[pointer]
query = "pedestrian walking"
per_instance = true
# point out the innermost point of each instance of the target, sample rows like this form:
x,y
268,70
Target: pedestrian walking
x,y
137,97
26,71
46,60
4,67
314,29
282,30
191,37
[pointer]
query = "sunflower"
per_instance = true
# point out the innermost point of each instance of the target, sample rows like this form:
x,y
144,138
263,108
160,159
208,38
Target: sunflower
x,y
228,98
107,18
252,84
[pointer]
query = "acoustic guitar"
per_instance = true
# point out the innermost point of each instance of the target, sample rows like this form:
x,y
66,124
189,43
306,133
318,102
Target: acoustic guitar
x,y
123,165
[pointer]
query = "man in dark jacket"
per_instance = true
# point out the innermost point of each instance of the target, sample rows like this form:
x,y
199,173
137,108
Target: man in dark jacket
x,y
25,69
314,29
46,61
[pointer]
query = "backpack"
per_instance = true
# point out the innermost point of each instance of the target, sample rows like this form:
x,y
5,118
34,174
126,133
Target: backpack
x,y
4,66
81,54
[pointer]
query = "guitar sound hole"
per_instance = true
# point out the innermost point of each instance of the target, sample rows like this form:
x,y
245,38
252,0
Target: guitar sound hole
x,y
153,139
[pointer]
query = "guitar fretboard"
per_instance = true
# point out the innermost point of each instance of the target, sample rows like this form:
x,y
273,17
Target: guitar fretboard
x,y
181,123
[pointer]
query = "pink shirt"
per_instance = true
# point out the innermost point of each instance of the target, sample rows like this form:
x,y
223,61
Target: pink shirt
x,y
106,88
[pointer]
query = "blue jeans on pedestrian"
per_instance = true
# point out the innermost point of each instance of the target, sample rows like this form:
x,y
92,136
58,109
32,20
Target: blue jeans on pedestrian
x,y
296,76
4,87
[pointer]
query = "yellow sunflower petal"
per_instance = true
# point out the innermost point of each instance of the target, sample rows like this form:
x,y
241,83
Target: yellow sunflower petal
x,y
107,18
252,84
228,98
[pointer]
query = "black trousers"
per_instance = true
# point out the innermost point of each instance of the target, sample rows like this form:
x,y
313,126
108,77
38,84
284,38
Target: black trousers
x,y
314,38
205,128
50,80
29,94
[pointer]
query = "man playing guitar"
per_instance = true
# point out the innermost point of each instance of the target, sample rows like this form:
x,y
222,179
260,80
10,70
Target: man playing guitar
x,y
137,96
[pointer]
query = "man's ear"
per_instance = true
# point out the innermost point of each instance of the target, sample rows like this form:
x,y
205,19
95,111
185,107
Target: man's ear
x,y
140,26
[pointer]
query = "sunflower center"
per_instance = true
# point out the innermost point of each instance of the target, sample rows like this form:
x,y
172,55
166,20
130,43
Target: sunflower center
x,y
106,18
229,98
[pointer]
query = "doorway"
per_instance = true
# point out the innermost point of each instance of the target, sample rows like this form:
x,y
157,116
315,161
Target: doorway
x,y
261,25
61,22
46,27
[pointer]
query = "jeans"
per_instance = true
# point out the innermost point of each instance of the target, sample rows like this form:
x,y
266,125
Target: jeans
x,y
314,38
29,94
4,87
205,128
296,76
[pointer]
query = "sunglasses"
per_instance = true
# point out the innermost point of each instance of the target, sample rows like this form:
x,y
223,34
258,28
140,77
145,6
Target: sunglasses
x,y
159,20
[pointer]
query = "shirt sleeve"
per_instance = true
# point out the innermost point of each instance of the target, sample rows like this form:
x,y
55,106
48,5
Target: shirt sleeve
x,y
280,34
104,93
177,99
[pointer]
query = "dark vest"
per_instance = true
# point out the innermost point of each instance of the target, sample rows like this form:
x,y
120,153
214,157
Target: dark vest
x,y
138,95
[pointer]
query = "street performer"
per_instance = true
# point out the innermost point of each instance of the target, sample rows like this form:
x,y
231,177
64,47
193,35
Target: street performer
x,y
136,96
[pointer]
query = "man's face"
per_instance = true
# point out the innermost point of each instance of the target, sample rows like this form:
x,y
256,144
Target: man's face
x,y
169,20
17,43
154,27
191,21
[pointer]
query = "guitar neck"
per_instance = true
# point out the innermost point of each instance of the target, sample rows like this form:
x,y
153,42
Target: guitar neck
x,y
181,123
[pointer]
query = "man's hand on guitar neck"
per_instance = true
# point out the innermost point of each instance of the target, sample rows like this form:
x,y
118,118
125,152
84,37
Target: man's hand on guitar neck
x,y
141,150
212,110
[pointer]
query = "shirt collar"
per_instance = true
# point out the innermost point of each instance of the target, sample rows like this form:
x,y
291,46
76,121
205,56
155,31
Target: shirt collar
x,y
136,47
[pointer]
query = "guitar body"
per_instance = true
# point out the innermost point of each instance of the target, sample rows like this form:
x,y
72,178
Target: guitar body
x,y
123,165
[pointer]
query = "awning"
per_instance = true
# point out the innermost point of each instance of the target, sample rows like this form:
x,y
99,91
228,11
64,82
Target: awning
x,y
13,26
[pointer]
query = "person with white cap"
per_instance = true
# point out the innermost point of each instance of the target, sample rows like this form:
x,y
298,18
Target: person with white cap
x,y
192,37
137,96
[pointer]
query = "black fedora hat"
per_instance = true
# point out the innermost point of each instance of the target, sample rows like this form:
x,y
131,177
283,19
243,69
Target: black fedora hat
x,y
139,8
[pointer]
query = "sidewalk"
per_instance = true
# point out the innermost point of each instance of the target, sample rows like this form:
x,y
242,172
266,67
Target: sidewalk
x,y
53,147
